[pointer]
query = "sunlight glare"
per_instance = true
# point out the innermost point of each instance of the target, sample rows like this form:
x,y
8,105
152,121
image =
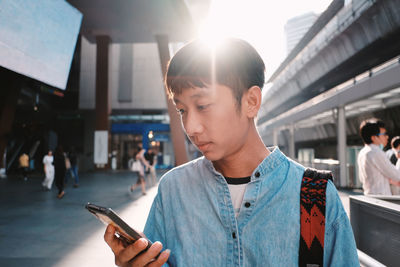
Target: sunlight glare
x,y
210,36
218,24
259,22
94,251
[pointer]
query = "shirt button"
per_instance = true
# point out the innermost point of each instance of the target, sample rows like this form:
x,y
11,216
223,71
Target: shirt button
x,y
257,174
247,204
233,235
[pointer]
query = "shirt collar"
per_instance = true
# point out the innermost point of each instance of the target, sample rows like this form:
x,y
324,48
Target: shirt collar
x,y
271,162
373,146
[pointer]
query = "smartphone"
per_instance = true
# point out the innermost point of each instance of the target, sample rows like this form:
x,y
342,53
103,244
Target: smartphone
x,y
123,231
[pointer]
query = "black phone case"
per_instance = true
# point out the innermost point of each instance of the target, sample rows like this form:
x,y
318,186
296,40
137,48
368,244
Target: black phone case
x,y
123,231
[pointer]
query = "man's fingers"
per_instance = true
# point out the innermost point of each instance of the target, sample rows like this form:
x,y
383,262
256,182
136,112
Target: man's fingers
x,y
112,240
132,250
131,253
161,260
149,256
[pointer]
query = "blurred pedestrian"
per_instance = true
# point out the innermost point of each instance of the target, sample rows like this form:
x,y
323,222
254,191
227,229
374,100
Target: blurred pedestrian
x,y
48,170
151,159
395,187
59,170
376,171
138,165
114,160
73,158
24,165
68,171
391,154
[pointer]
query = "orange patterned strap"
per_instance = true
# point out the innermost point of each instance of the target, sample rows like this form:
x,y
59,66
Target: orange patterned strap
x,y
312,217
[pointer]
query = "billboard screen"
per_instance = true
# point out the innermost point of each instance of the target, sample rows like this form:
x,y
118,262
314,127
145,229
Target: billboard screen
x,y
38,38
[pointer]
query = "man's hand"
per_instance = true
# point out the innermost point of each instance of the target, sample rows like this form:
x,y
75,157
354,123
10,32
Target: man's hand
x,y
128,256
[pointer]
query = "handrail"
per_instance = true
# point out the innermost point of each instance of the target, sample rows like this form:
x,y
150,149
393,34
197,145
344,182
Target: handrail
x,y
368,261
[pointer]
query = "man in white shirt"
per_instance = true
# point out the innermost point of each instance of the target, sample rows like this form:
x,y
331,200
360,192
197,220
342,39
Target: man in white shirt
x,y
376,171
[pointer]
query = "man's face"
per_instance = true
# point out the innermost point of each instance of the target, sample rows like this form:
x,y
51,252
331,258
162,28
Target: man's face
x,y
382,137
397,151
212,121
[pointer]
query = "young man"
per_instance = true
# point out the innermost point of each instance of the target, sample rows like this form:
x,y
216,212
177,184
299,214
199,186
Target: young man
x,y
239,205
376,170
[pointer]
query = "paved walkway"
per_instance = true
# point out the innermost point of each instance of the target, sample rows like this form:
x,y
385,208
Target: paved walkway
x,y
37,229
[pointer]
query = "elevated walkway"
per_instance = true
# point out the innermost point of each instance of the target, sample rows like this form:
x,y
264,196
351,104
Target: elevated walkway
x,y
338,48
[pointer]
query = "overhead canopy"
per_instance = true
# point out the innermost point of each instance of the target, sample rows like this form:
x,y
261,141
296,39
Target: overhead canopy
x,y
135,21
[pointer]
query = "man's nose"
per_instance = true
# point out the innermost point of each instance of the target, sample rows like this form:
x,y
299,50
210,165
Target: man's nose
x,y
192,124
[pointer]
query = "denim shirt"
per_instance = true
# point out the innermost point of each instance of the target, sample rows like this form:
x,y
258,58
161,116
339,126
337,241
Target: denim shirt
x,y
193,216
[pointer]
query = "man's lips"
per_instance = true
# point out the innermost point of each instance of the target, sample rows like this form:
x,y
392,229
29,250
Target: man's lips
x,y
203,145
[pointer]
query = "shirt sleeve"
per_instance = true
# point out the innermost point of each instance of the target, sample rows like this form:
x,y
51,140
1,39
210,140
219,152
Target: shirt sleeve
x,y
339,245
155,227
385,167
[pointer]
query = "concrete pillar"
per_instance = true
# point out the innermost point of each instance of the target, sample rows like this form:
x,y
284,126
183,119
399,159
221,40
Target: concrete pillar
x,y
103,107
341,135
275,137
177,134
10,86
292,153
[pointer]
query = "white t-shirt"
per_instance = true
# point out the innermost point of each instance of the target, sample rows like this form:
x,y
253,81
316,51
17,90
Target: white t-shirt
x,y
237,188
48,162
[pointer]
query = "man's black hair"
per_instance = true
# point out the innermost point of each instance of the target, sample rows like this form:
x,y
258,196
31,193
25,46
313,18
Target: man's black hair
x,y
369,128
232,62
395,141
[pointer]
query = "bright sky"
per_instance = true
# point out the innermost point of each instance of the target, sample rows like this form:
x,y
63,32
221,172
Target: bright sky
x,y
260,22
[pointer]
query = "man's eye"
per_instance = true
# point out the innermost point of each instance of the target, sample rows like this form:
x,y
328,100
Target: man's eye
x,y
180,111
202,107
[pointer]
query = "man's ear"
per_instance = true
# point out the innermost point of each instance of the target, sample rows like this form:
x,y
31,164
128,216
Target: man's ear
x,y
252,100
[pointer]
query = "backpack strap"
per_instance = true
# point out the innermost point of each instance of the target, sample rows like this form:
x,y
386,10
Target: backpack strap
x,y
312,217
